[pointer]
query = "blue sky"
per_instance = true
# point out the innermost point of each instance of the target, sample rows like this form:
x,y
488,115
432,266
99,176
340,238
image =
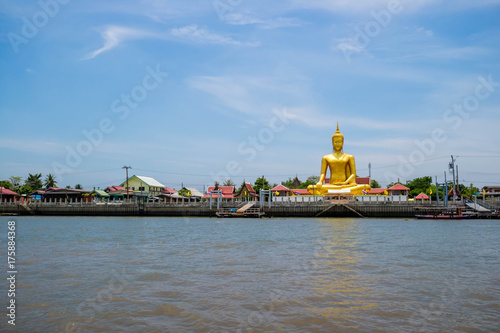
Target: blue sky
x,y
193,91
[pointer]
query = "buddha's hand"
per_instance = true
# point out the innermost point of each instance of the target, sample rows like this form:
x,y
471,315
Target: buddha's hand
x,y
319,184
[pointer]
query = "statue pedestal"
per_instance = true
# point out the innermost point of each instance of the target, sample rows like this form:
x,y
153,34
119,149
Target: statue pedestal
x,y
339,199
341,191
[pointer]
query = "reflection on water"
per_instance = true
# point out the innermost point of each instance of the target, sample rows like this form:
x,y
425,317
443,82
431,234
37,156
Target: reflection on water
x,y
341,293
256,275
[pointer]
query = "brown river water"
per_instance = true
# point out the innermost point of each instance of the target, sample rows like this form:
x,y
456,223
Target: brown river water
x,y
97,274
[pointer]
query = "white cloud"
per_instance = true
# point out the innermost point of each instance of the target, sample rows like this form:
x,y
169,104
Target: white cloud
x,y
278,22
113,36
365,6
201,35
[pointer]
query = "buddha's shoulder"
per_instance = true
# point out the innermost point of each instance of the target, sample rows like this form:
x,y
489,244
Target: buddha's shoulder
x,y
330,156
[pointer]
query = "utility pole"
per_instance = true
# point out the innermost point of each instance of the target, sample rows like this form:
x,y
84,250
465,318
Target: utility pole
x,y
126,170
455,180
437,191
445,196
370,170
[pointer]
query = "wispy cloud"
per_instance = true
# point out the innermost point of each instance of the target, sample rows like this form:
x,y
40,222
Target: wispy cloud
x,y
278,22
365,6
113,36
202,35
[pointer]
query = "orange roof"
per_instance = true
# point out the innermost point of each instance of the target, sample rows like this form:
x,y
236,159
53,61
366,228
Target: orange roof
x,y
422,196
398,187
377,191
300,191
225,189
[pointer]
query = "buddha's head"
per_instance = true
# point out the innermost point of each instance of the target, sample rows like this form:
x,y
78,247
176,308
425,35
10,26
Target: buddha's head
x,y
337,140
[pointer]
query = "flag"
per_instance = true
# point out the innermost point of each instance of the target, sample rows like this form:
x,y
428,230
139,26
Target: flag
x,y
385,192
276,193
484,192
297,193
431,191
364,192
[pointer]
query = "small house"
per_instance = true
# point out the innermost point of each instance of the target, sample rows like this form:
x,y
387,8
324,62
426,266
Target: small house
x,y
146,186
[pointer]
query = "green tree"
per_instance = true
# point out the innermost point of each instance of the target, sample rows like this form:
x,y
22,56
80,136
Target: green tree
x,y
16,183
25,189
261,184
6,184
287,183
469,191
374,184
419,185
311,180
34,181
68,186
78,187
185,192
50,181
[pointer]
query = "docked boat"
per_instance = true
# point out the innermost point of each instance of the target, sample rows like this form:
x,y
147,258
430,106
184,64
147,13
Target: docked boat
x,y
444,217
446,214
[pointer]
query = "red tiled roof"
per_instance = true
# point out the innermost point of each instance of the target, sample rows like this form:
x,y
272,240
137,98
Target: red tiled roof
x,y
225,189
169,190
281,188
5,191
363,180
300,191
422,196
249,187
115,188
377,191
398,187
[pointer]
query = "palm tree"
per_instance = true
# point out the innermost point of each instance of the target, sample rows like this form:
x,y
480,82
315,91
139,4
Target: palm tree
x,y
229,182
50,181
34,181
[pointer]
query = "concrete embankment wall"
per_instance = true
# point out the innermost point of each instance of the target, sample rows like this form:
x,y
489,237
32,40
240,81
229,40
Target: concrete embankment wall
x,y
293,210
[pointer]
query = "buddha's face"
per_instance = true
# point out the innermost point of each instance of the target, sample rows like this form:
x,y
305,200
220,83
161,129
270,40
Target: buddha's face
x,y
337,142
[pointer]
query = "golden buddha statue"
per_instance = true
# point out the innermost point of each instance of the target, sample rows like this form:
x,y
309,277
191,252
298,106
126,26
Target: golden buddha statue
x,y
342,172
